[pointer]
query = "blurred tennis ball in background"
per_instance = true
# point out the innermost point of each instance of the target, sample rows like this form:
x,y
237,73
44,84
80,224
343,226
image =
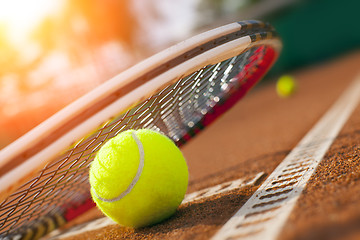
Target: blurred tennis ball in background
x,y
286,86
138,178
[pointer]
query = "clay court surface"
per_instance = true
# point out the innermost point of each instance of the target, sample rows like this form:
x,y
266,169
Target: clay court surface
x,y
251,140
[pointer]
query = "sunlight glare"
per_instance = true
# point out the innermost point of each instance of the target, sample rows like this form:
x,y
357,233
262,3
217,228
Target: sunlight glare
x,y
20,16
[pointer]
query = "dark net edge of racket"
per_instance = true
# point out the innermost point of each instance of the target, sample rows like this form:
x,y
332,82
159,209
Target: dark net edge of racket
x,y
61,189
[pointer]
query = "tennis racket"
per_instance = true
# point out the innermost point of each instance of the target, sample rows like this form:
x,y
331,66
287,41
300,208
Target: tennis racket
x,y
180,91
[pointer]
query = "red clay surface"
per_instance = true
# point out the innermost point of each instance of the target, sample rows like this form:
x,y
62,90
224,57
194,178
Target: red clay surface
x,y
255,136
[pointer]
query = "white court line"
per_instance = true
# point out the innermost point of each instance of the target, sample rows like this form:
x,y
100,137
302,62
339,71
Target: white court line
x,y
265,213
195,196
221,188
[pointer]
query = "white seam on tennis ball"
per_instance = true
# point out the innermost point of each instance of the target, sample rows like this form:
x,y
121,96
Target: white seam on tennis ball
x,y
136,178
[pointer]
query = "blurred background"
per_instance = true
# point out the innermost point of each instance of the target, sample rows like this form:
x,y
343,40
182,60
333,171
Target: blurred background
x,y
52,52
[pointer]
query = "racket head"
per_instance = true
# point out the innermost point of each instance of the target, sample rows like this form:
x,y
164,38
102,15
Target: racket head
x,y
180,91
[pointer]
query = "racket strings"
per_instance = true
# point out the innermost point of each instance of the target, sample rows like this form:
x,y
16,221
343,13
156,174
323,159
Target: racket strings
x,y
175,111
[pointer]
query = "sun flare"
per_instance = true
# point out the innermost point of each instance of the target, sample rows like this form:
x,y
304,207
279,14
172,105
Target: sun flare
x,y
18,17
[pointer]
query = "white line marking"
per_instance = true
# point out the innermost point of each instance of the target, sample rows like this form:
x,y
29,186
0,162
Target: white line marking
x,y
204,193
221,188
86,227
265,213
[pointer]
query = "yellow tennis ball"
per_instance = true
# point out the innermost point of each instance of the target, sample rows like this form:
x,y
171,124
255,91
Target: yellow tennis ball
x,y
286,86
138,178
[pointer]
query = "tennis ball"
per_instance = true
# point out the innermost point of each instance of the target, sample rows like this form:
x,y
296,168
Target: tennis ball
x,y
138,178
286,86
